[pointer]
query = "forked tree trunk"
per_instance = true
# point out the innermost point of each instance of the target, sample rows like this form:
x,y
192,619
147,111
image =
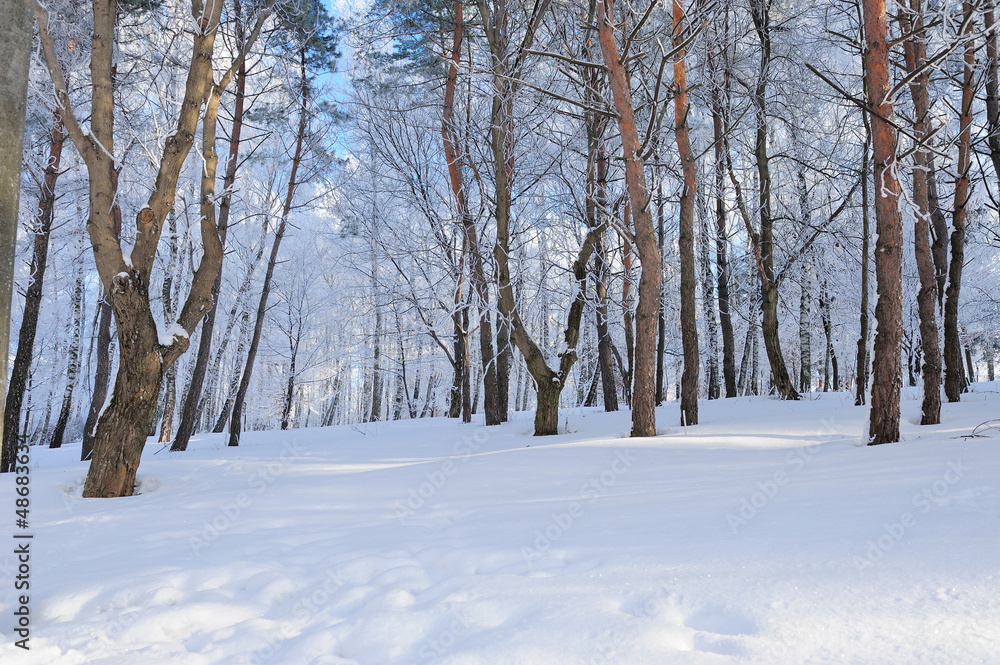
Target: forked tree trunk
x,y
474,256
954,382
644,369
886,379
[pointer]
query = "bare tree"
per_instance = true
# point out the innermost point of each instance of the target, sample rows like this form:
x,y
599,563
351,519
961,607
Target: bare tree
x,y
886,379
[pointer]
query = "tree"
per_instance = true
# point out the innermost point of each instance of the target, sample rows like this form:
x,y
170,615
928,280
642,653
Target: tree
x,y
886,378
42,224
644,381
308,31
911,21
15,53
685,241
145,354
954,377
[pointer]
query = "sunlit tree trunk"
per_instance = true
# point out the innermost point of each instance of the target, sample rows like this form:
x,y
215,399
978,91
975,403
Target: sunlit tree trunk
x,y
886,379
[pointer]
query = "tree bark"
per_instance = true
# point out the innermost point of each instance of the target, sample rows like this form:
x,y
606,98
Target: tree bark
x,y
861,395
886,379
15,53
954,382
769,286
915,53
644,380
722,240
33,296
685,238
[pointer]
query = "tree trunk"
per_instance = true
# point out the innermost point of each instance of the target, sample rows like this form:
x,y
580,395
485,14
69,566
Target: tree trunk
x,y
643,397
915,50
805,335
769,287
954,383
708,303
450,138
861,395
15,53
73,367
235,422
722,240
21,370
886,380
102,376
191,409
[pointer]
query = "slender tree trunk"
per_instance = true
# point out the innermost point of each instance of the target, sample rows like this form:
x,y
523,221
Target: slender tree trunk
x,y
605,359
191,409
954,383
721,240
628,318
449,133
286,410
915,50
21,370
235,422
73,367
861,396
220,422
708,302
805,335
886,380
769,286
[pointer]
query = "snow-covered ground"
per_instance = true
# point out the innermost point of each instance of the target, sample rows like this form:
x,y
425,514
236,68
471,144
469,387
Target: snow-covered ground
x,y
768,534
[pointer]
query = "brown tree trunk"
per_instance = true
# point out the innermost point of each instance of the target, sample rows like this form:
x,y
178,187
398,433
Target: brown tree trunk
x,y
915,51
644,369
886,379
449,133
954,382
21,369
685,239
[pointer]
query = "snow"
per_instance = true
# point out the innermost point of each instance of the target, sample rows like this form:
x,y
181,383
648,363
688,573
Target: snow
x,y
767,534
172,333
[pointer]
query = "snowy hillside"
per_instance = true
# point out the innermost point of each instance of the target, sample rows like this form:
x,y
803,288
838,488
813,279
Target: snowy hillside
x,y
765,535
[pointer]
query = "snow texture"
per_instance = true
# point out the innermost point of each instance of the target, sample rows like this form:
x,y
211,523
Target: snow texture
x,y
173,332
767,534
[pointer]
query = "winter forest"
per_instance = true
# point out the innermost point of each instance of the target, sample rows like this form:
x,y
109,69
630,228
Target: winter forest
x,y
253,222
